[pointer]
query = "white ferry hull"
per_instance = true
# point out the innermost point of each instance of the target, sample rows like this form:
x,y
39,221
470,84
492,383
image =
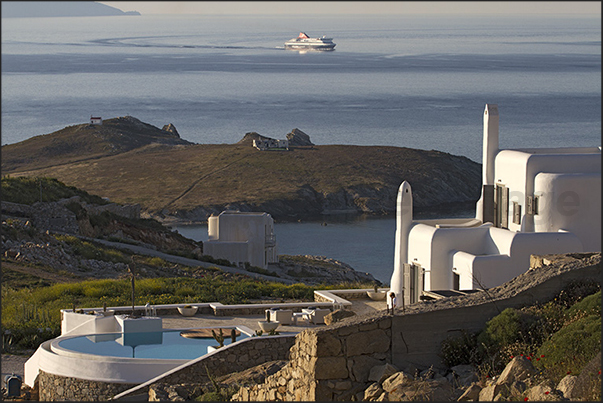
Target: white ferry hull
x,y
303,42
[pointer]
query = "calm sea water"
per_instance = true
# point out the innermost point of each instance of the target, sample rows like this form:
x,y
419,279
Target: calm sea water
x,y
366,244
419,82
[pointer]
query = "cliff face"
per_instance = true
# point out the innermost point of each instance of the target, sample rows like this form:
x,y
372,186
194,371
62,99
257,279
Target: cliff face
x,y
298,138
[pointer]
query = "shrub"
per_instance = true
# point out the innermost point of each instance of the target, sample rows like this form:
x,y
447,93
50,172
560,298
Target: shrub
x,y
30,189
509,327
572,347
590,305
461,350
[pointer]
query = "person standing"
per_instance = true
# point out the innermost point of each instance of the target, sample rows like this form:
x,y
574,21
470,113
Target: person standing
x,y
391,302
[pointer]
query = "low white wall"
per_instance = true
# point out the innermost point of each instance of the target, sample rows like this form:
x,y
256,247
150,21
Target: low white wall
x,y
79,323
102,369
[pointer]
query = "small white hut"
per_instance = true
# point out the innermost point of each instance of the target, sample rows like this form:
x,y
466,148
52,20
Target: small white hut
x,y
96,120
534,201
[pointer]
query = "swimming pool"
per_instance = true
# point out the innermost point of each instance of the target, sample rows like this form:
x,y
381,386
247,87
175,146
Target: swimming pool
x,y
166,344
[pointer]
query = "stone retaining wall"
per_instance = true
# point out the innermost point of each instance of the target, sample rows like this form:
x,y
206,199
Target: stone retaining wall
x,y
229,359
333,363
235,358
328,364
55,217
54,387
417,336
21,210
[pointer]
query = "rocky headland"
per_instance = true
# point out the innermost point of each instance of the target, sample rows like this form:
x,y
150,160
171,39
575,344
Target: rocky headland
x,y
176,181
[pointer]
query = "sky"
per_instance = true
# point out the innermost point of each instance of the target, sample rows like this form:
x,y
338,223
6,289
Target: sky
x,y
360,7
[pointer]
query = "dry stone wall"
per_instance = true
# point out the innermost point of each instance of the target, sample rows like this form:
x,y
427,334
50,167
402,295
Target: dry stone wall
x,y
54,387
331,363
235,358
418,334
334,363
230,359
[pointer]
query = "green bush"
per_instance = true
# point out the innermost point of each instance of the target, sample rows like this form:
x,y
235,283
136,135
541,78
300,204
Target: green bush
x,y
31,189
101,220
572,347
88,250
590,305
509,327
461,350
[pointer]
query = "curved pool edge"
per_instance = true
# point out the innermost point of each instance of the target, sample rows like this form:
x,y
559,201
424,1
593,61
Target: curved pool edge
x,y
70,364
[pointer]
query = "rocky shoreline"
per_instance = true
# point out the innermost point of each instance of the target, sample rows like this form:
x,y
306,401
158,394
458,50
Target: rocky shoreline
x,y
200,215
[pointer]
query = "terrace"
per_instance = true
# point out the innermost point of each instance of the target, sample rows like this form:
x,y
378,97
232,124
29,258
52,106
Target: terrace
x,y
78,366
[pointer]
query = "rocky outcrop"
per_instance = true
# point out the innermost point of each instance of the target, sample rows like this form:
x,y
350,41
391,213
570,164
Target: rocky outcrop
x,y
250,136
337,315
318,270
297,138
521,381
170,128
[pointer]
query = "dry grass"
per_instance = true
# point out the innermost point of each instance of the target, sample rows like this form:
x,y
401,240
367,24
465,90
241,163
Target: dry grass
x,y
186,177
124,160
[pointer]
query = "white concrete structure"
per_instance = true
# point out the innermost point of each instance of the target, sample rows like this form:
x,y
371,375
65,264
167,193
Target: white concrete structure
x,y
51,358
534,201
263,145
242,238
96,120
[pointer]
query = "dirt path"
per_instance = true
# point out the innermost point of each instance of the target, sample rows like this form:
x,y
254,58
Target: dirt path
x,y
13,364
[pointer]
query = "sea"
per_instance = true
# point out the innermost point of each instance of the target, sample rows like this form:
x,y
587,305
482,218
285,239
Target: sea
x,y
404,81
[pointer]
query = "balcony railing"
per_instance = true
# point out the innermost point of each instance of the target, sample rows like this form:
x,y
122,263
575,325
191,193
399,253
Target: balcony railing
x,y
271,240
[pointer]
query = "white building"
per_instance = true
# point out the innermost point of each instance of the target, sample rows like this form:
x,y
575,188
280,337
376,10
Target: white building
x,y
267,144
242,238
534,201
96,120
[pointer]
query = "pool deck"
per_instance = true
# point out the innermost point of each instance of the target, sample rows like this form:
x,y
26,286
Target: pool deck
x,y
14,363
360,307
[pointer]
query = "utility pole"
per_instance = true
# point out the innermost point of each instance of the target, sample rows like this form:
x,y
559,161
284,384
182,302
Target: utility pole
x,y
131,271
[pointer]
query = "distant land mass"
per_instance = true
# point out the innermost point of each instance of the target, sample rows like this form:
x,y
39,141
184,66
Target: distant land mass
x,y
28,9
176,181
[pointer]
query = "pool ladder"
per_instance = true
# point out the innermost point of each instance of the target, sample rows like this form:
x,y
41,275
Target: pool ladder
x,y
150,310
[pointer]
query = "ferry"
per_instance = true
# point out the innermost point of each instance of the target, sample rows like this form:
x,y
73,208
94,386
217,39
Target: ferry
x,y
304,42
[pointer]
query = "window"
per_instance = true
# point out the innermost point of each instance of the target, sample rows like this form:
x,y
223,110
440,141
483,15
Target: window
x,y
516,213
501,206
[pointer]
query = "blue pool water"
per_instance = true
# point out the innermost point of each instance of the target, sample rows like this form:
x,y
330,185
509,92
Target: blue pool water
x,y
157,345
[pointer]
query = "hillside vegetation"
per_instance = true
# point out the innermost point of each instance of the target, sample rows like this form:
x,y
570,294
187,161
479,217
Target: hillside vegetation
x,y
84,142
168,176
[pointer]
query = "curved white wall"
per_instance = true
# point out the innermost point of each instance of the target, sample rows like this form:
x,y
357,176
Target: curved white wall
x,y
571,202
95,368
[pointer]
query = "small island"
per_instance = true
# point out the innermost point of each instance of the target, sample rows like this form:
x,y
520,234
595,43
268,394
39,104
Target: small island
x,y
177,181
35,9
